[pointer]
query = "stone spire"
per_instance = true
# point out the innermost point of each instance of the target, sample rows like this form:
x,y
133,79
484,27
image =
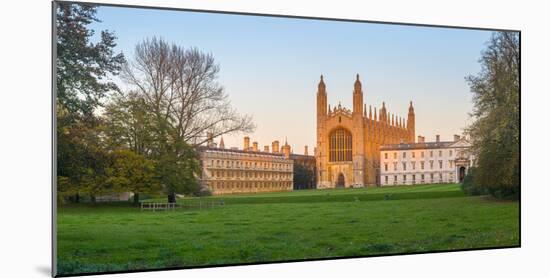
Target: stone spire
x,y
286,149
321,87
357,97
222,144
370,112
410,123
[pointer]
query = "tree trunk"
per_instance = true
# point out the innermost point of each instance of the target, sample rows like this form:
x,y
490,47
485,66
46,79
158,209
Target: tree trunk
x,y
92,198
77,198
136,199
171,198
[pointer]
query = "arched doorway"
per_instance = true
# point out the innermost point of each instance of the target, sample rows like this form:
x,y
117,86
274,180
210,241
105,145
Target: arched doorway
x,y
461,173
341,182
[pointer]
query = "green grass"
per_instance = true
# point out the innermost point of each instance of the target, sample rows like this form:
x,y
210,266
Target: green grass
x,y
307,224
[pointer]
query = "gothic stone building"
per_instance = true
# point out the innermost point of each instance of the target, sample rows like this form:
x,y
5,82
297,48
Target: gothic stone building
x,y
227,171
348,141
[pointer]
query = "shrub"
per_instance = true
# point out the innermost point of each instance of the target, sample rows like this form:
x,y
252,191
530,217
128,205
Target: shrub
x,y
204,192
468,185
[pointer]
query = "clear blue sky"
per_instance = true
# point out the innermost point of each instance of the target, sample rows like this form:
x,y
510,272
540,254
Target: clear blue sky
x,y
270,66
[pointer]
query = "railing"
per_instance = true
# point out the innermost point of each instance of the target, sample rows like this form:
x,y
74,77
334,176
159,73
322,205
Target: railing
x,y
181,205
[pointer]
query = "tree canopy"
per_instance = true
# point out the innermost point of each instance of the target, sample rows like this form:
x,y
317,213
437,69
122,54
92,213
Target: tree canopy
x,y
495,132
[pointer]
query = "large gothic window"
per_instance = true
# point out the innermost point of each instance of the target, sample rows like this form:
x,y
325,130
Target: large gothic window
x,y
340,145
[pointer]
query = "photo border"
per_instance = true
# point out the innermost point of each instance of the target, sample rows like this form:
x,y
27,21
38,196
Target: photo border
x,y
54,133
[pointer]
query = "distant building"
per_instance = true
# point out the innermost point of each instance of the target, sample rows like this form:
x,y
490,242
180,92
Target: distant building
x,y
425,162
348,141
227,171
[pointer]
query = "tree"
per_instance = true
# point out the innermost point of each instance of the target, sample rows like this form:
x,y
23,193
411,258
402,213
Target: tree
x,y
303,177
177,171
132,172
82,157
129,124
495,130
179,87
82,65
81,68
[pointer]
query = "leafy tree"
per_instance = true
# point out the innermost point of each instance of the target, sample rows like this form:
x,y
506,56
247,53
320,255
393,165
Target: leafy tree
x,y
82,158
132,172
303,177
81,64
469,186
177,171
82,67
495,131
129,124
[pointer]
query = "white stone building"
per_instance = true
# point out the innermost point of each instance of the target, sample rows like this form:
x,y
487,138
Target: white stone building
x,y
425,162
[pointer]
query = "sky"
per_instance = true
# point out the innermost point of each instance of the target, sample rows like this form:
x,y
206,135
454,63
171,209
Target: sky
x,y
270,67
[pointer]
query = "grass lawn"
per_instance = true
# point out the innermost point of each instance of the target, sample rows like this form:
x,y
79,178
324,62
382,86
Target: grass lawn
x,y
280,226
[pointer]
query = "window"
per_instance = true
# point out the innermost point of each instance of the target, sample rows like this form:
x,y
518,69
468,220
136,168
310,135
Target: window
x,y
395,166
450,164
431,164
404,166
440,153
395,179
386,167
431,153
404,154
386,179
422,154
386,155
441,164
422,165
413,154
394,155
414,177
413,165
422,177
404,178
432,176
450,152
340,145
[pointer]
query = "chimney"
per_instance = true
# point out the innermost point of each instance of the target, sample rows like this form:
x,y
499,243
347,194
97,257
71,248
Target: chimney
x,y
420,139
246,143
457,137
255,146
437,138
305,150
266,148
286,151
275,146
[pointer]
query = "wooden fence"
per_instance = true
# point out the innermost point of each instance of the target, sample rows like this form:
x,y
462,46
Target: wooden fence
x,y
181,205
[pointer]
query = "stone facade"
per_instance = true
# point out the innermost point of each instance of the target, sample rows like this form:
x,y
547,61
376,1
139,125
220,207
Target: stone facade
x,y
227,171
348,141
425,162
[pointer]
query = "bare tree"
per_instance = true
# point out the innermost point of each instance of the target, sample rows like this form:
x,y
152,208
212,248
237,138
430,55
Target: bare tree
x,y
181,87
